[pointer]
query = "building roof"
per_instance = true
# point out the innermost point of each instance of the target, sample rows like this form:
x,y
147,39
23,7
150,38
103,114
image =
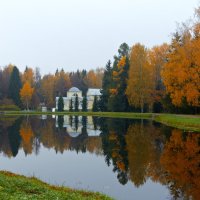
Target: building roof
x,y
74,89
94,92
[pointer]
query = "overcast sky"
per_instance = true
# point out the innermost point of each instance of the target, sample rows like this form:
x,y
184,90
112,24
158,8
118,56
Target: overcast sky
x,y
77,34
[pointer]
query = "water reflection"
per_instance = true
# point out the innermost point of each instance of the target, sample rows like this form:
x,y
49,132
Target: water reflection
x,y
136,150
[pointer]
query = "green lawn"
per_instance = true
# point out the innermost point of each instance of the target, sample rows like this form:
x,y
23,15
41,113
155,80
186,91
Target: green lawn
x,y
186,122
15,187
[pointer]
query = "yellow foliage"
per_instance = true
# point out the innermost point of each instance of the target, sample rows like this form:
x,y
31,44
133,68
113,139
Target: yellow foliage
x,y
140,82
26,93
28,76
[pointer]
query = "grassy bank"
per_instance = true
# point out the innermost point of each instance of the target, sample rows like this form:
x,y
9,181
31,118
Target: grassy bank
x,y
186,122
17,187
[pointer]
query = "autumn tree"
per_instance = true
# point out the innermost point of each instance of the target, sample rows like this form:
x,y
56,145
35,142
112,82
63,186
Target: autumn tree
x,y
140,80
37,96
48,90
94,78
62,83
157,59
26,94
181,73
5,80
28,76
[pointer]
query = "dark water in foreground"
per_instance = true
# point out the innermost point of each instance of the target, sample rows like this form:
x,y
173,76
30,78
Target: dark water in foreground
x,y
126,159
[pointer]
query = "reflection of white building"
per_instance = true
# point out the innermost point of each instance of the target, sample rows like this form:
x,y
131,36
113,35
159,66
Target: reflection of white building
x,y
73,92
74,126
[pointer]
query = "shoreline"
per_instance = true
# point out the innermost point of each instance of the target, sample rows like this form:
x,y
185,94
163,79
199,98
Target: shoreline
x,y
184,122
13,186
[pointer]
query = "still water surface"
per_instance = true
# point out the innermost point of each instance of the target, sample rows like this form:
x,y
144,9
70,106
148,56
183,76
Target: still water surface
x,y
126,159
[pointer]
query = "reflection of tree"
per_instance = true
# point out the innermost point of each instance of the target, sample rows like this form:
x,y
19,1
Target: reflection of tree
x,y
114,147
5,122
139,152
134,149
95,122
14,136
181,161
70,120
76,123
27,135
34,132
60,121
94,145
84,125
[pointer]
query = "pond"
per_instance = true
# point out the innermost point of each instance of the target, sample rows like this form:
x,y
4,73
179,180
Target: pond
x,y
123,158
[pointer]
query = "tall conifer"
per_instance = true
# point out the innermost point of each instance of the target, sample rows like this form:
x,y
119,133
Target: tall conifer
x,y
15,85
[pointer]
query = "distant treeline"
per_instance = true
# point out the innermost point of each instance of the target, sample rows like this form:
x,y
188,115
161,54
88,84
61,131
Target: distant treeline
x,y
165,78
30,87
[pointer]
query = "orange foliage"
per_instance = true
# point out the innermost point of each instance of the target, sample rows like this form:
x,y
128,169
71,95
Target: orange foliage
x,y
115,73
121,165
26,134
181,74
47,89
113,91
94,78
121,62
157,58
26,93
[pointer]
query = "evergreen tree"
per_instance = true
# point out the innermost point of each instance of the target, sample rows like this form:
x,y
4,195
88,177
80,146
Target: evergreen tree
x,y
77,79
60,104
15,85
117,100
71,106
95,104
84,104
76,109
106,83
